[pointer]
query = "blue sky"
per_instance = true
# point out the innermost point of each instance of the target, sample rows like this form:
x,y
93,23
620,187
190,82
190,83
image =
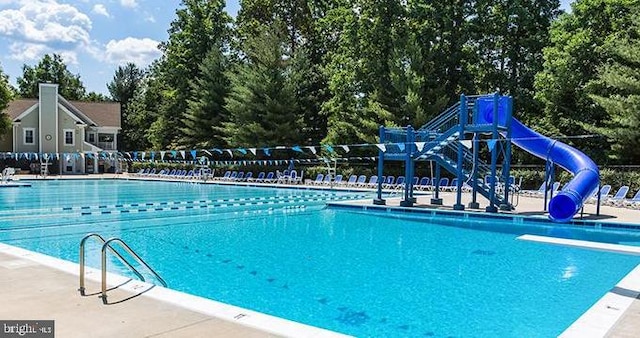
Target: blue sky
x,y
93,37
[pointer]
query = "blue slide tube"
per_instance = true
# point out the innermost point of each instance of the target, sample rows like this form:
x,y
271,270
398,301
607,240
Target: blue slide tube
x,y
586,176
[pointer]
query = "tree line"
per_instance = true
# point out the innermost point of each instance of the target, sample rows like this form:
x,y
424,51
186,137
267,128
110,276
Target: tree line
x,y
307,72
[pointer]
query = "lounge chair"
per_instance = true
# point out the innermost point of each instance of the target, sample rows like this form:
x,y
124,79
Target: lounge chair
x,y
618,197
633,202
352,180
444,182
362,181
269,178
233,176
239,177
248,176
293,177
226,175
423,184
318,180
604,194
373,182
337,180
327,180
389,182
399,183
260,177
452,186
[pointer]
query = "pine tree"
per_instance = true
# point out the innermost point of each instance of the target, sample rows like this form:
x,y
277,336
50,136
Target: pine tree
x,y
205,112
620,98
571,61
261,102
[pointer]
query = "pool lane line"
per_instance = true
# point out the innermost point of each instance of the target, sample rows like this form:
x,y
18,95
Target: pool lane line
x,y
142,209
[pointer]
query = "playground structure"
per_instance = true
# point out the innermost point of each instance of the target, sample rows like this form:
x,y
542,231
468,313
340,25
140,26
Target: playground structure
x,y
453,141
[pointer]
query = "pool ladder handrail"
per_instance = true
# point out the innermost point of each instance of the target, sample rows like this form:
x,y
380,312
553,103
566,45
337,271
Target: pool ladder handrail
x,y
106,244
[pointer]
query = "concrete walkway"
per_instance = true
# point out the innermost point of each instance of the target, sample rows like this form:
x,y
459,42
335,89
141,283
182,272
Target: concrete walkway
x,y
31,290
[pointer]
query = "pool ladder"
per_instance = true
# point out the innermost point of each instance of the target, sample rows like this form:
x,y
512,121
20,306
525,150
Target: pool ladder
x,y
107,245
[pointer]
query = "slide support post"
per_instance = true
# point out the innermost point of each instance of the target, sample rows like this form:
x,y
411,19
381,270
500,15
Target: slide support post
x,y
378,200
464,113
506,167
494,155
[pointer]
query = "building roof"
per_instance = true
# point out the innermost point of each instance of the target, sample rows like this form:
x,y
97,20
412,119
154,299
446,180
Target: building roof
x,y
103,114
17,107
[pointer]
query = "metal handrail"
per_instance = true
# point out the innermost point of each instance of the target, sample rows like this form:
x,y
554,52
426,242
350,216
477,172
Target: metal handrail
x,y
102,241
107,245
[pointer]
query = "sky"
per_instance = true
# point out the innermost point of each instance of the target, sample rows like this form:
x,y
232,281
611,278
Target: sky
x,y
93,37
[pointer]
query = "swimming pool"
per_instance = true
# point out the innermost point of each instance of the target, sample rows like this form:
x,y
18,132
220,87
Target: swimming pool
x,y
281,252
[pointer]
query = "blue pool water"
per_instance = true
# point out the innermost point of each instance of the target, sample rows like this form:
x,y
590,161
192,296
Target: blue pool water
x,y
368,274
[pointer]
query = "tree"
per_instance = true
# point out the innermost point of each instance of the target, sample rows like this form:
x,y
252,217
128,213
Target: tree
x,y
261,102
200,25
205,112
96,97
617,91
571,62
125,83
509,36
142,113
122,88
50,69
6,96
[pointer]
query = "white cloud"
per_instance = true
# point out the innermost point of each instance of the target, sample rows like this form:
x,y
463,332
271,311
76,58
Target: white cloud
x,y
27,51
100,9
129,3
34,51
46,21
148,17
139,51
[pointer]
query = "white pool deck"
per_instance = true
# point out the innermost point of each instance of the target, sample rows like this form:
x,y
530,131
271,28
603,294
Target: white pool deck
x,y
35,286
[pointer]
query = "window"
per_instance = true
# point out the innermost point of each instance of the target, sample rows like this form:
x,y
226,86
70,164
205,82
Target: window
x,y
68,137
91,138
29,135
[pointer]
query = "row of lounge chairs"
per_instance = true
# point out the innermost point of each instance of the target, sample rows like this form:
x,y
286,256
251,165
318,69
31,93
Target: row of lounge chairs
x,y
619,199
174,173
388,182
284,177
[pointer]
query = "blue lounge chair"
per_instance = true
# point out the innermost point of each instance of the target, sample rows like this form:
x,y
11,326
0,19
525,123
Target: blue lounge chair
x,y
248,176
327,180
399,183
352,180
362,181
389,182
633,202
444,182
258,179
269,178
423,184
619,196
318,179
373,182
337,180
226,175
452,186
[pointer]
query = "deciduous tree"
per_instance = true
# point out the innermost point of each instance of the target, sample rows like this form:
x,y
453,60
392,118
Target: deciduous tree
x,y
50,69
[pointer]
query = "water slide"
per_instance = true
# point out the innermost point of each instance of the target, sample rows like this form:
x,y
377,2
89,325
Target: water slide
x,y
586,176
